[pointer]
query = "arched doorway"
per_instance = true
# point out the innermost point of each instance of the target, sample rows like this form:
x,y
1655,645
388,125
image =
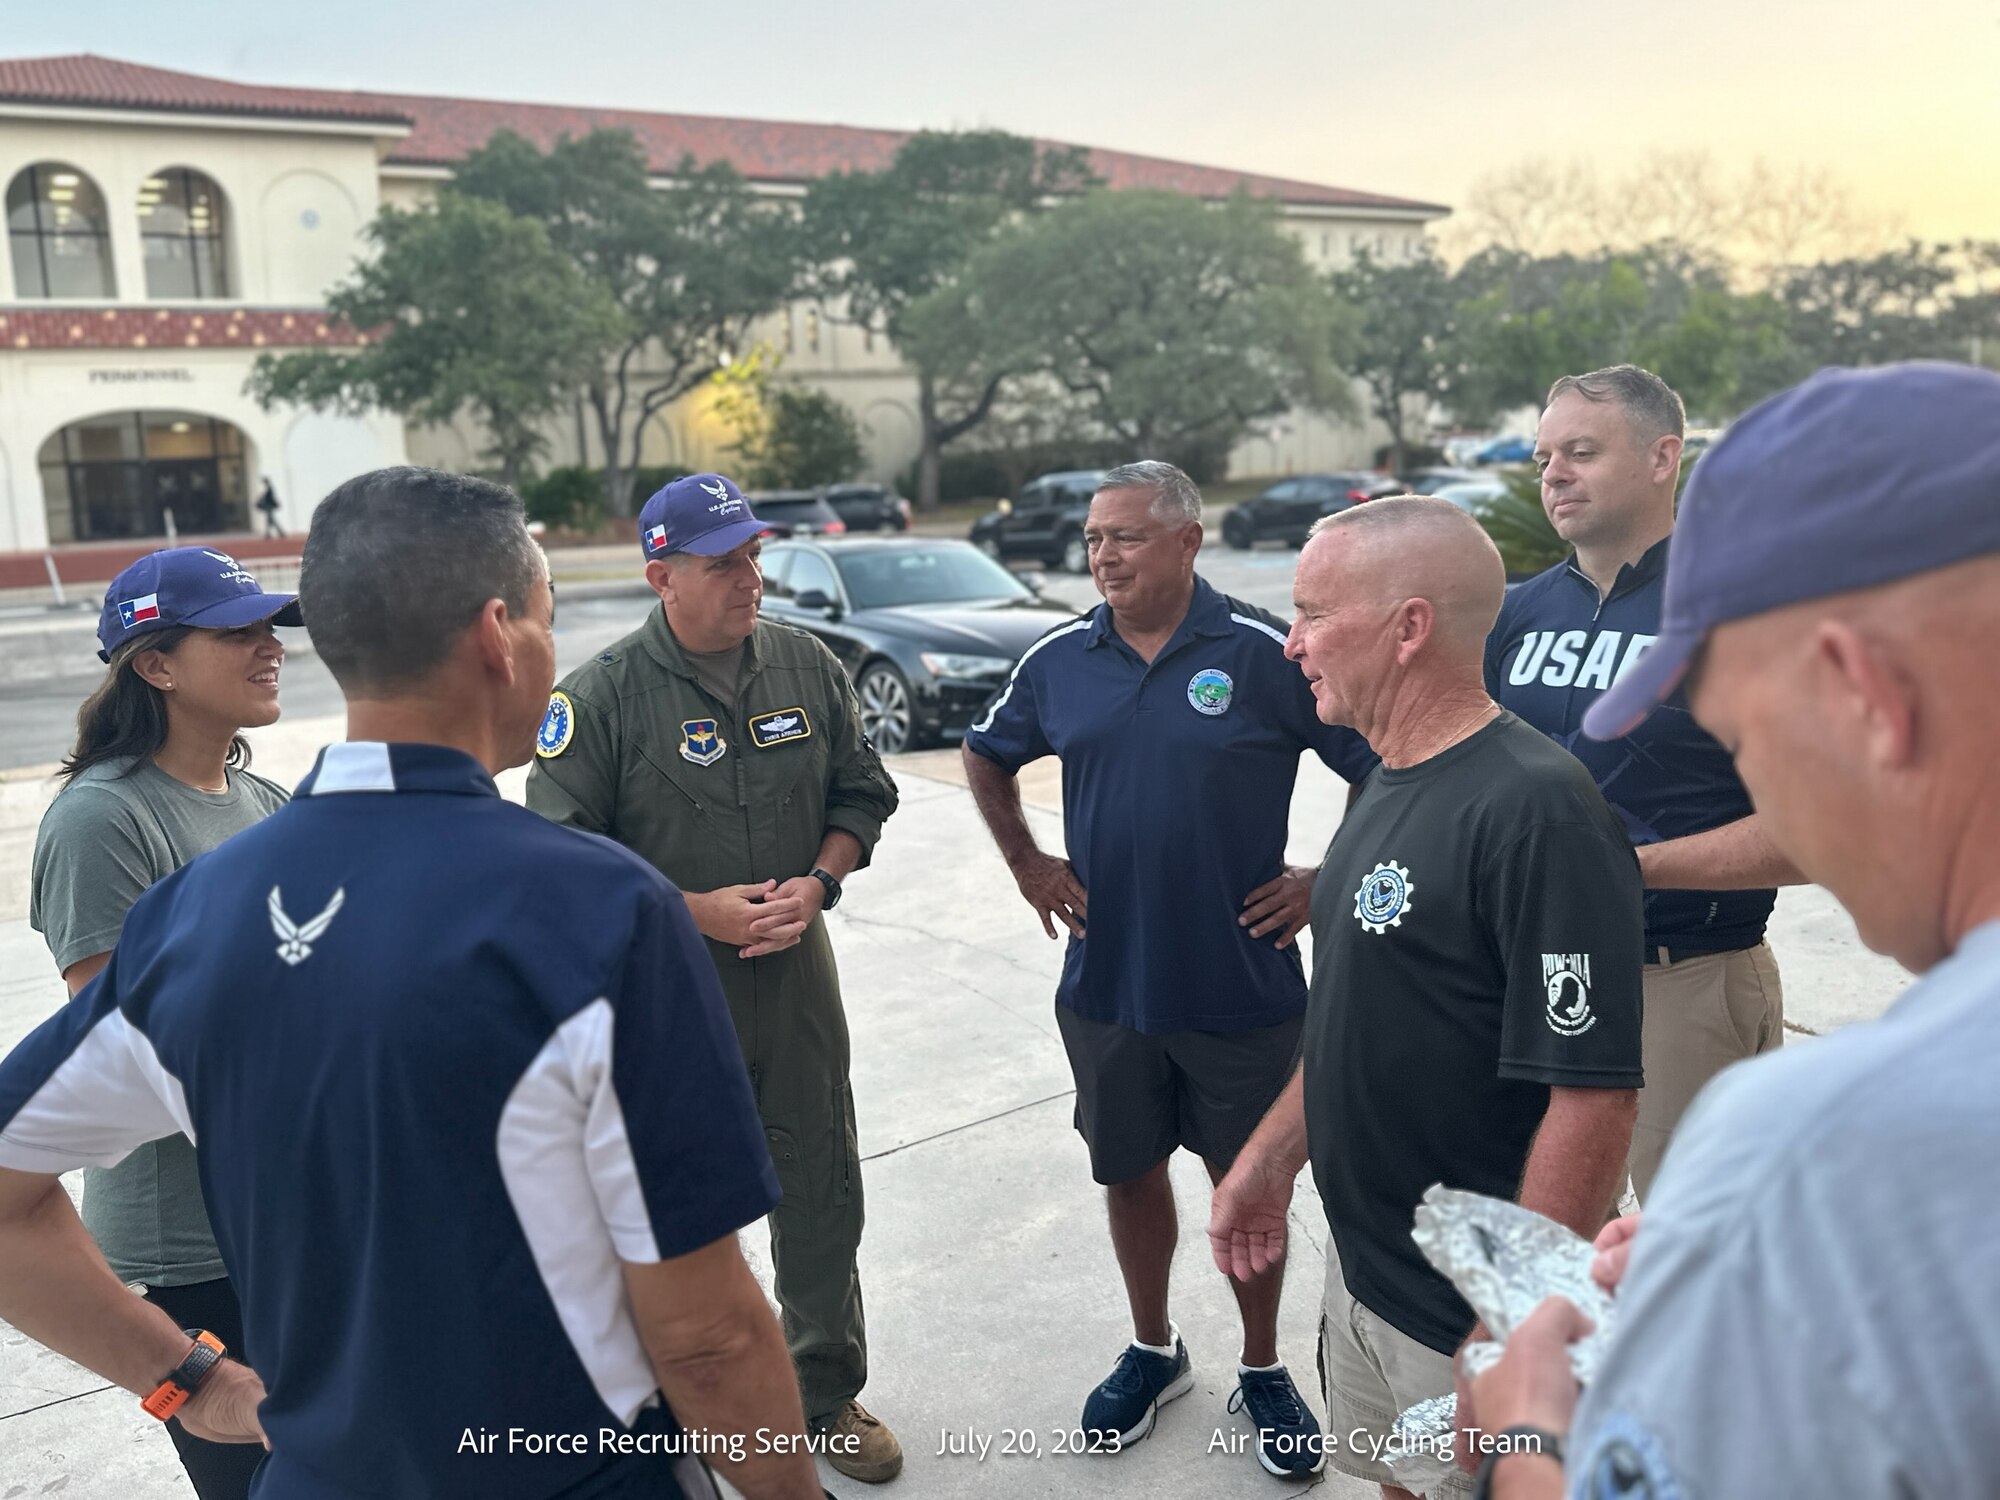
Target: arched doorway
x,y
122,474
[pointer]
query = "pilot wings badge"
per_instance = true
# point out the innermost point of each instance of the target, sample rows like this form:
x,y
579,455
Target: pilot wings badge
x,y
295,939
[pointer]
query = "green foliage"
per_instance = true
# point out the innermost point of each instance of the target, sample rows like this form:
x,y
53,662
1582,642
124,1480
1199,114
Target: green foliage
x,y
688,269
1401,339
1520,527
787,437
1177,324
465,308
883,241
571,496
812,440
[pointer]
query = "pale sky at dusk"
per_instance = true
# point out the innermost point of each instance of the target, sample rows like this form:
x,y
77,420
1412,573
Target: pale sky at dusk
x,y
1412,97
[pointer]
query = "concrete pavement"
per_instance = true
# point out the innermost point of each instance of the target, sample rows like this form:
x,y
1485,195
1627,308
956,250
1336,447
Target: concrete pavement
x,y
994,1301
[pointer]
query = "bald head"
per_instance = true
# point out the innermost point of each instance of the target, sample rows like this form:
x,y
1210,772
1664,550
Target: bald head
x,y
1391,608
1414,547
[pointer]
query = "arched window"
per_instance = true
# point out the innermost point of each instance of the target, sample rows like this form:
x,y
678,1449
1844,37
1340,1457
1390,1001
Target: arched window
x,y
118,475
184,231
58,235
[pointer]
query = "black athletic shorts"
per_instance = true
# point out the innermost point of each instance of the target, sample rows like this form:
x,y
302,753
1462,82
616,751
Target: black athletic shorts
x,y
1138,1097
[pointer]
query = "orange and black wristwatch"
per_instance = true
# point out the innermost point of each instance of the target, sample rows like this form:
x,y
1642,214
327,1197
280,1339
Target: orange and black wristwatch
x,y
171,1394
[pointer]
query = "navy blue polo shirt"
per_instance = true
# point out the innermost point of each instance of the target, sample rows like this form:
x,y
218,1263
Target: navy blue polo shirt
x,y
1555,648
445,1065
1177,787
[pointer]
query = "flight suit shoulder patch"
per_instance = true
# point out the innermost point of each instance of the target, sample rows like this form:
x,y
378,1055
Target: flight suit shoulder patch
x,y
558,726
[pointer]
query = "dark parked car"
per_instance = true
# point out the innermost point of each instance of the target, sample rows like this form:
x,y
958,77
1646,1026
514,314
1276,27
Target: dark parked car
x,y
1288,508
1044,523
795,513
927,629
868,507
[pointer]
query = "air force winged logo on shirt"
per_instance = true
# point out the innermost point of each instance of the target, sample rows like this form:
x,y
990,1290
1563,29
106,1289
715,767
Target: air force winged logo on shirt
x,y
295,940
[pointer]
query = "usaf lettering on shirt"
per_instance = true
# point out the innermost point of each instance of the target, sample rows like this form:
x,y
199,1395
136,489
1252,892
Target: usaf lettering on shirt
x,y
1559,658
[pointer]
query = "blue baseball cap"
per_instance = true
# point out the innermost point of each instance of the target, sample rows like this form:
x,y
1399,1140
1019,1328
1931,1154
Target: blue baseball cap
x,y
705,514
186,586
1853,479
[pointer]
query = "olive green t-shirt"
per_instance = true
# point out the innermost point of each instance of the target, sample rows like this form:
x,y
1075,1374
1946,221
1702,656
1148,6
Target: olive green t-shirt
x,y
109,834
721,672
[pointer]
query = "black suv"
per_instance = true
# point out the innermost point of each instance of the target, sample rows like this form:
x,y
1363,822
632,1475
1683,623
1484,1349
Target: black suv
x,y
1044,523
1288,508
795,513
868,507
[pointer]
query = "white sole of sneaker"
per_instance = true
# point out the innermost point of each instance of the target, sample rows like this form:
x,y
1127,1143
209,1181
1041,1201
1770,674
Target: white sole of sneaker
x,y
1271,1468
1179,1387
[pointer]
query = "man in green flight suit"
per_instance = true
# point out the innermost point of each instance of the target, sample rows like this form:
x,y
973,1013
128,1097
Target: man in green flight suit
x,y
727,751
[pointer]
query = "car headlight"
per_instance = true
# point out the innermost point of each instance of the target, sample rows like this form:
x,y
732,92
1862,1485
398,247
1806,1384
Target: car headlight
x,y
950,664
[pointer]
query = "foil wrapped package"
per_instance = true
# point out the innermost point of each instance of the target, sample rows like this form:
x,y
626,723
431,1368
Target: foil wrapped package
x,y
1505,1260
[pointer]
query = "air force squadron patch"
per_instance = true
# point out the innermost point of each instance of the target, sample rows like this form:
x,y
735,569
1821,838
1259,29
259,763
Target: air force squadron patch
x,y
702,742
776,728
558,724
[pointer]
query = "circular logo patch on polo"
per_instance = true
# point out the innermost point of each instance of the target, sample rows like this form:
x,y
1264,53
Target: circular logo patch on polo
x,y
1384,898
1210,690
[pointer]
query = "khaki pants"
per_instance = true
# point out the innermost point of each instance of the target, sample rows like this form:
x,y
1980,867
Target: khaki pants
x,y
1702,1014
1370,1373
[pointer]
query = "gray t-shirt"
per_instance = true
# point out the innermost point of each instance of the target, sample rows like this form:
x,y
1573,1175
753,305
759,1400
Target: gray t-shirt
x,y
1813,1303
105,838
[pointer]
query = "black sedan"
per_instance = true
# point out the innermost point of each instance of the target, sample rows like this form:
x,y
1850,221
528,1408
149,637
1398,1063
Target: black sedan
x,y
1288,508
927,629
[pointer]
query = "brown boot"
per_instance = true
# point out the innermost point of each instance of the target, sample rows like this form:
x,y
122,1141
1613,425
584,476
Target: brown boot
x,y
863,1448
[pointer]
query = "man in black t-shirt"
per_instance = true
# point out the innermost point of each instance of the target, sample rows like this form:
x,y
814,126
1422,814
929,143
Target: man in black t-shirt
x,y
1475,999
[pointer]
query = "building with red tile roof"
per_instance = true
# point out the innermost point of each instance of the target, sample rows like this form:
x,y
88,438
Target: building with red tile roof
x,y
166,227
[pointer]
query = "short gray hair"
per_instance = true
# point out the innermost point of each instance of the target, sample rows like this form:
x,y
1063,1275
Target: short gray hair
x,y
1648,401
399,561
1176,498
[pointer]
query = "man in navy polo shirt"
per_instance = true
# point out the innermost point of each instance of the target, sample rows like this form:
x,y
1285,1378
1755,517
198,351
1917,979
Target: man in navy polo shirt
x,y
1609,450
1182,994
473,1128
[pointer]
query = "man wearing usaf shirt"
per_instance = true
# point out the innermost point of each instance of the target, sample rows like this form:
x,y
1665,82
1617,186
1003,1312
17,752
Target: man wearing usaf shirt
x,y
1609,451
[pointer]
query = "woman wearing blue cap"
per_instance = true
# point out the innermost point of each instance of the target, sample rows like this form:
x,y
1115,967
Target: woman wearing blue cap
x,y
160,775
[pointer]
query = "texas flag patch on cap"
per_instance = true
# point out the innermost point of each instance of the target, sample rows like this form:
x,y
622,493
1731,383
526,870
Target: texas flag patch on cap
x,y
138,611
656,538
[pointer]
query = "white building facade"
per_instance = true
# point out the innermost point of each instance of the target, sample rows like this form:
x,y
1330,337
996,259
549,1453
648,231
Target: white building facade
x,y
165,229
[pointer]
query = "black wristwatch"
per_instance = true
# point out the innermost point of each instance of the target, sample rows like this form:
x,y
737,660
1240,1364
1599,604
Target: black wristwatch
x,y
832,888
1549,1446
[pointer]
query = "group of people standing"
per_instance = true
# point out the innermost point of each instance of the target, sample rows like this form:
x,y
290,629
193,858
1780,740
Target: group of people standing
x,y
1514,927
480,1106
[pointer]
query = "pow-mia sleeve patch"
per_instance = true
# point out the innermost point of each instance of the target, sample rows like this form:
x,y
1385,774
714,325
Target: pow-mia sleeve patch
x,y
777,727
558,724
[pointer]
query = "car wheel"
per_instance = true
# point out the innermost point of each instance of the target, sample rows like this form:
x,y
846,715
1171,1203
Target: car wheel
x,y
1075,555
989,546
1237,533
888,716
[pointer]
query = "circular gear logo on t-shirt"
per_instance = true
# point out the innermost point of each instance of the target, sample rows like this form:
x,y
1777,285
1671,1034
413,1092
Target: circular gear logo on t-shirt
x,y
1384,898
1210,690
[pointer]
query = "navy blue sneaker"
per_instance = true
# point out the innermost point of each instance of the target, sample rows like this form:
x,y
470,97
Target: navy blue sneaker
x,y
1288,1440
1128,1401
